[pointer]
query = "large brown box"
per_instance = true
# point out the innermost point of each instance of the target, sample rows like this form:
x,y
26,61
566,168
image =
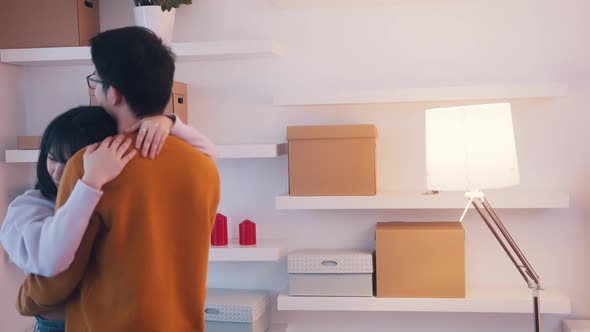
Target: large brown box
x,y
177,105
28,142
420,259
332,160
44,23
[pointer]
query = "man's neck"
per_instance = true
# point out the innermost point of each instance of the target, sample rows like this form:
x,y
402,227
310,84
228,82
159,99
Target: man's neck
x,y
125,120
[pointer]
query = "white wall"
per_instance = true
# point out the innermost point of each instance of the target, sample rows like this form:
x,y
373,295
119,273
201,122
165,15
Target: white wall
x,y
384,44
14,179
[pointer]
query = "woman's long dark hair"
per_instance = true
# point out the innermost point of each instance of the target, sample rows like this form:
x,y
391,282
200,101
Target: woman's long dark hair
x,y
66,135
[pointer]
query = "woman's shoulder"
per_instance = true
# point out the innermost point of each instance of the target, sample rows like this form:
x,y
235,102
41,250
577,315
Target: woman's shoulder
x,y
34,198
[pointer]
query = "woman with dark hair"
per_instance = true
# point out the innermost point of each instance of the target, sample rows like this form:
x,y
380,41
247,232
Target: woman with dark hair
x,y
42,241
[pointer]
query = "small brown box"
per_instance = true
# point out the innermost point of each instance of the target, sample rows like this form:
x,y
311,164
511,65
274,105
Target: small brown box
x,y
92,97
420,259
332,160
28,142
56,23
177,105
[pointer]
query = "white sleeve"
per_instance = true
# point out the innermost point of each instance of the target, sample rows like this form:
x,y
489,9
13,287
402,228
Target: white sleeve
x,y
194,137
42,243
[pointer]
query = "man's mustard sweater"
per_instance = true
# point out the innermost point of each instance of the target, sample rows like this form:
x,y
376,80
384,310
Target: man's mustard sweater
x,y
142,264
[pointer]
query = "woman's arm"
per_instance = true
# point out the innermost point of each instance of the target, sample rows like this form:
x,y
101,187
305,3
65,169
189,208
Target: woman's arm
x,y
194,137
42,243
154,130
45,244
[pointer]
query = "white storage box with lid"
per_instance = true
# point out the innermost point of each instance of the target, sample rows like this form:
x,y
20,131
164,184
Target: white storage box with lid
x,y
323,272
236,310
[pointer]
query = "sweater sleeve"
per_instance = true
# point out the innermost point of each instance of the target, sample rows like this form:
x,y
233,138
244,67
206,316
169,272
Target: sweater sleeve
x,y
39,242
38,293
194,137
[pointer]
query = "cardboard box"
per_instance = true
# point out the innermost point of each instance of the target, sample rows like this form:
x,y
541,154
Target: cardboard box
x,y
234,310
28,142
420,259
332,160
177,105
330,273
92,95
56,23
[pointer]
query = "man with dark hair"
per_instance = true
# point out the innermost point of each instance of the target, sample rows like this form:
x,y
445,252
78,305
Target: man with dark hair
x,y
142,263
135,62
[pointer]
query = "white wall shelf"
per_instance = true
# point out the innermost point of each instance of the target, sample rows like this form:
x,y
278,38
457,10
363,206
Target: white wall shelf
x,y
450,93
476,301
197,51
263,251
21,156
499,199
330,3
278,328
252,151
576,326
225,152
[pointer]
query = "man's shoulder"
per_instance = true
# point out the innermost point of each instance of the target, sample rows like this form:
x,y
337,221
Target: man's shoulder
x,y
77,160
181,148
185,155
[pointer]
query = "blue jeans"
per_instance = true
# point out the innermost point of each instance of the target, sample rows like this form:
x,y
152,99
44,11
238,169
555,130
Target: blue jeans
x,y
45,325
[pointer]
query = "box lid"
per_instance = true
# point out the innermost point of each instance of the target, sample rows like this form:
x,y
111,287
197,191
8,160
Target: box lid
x,y
235,305
420,226
330,261
323,132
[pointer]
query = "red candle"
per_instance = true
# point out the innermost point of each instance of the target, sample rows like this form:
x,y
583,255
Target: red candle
x,y
219,234
247,233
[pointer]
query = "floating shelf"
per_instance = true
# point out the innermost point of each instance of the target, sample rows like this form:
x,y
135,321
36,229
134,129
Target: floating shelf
x,y
451,93
252,151
21,156
576,325
499,199
330,3
263,251
477,301
225,152
278,328
215,50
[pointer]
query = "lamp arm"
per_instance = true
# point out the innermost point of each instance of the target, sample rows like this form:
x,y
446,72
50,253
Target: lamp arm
x,y
529,268
524,268
522,264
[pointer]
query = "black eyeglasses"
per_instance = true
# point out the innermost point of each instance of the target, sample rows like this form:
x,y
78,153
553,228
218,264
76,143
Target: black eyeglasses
x,y
92,81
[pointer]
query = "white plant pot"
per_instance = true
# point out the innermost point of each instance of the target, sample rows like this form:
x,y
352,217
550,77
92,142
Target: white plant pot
x,y
153,18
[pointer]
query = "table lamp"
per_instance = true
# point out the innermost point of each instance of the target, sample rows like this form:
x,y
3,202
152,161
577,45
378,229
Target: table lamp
x,y
470,149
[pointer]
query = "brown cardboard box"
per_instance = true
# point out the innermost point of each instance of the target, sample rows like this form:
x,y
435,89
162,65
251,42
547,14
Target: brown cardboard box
x,y
28,142
92,97
332,160
177,105
420,259
56,23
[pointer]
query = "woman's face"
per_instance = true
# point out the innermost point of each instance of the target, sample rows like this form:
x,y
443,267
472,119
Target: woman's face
x,y
55,169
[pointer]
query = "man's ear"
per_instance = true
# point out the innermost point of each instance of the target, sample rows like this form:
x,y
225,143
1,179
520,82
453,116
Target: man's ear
x,y
114,97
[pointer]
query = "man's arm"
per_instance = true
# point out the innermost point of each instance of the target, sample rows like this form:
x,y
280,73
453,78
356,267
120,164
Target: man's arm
x,y
38,294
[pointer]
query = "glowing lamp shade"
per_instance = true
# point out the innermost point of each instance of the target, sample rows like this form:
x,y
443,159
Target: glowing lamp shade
x,y
470,148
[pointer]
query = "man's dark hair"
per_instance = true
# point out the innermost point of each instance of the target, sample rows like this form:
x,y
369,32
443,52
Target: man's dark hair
x,y
136,62
66,135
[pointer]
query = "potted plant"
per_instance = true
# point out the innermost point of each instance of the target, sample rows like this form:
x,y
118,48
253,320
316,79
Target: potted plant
x,y
158,16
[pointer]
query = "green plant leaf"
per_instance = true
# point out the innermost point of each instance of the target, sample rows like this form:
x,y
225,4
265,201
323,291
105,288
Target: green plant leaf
x,y
169,4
